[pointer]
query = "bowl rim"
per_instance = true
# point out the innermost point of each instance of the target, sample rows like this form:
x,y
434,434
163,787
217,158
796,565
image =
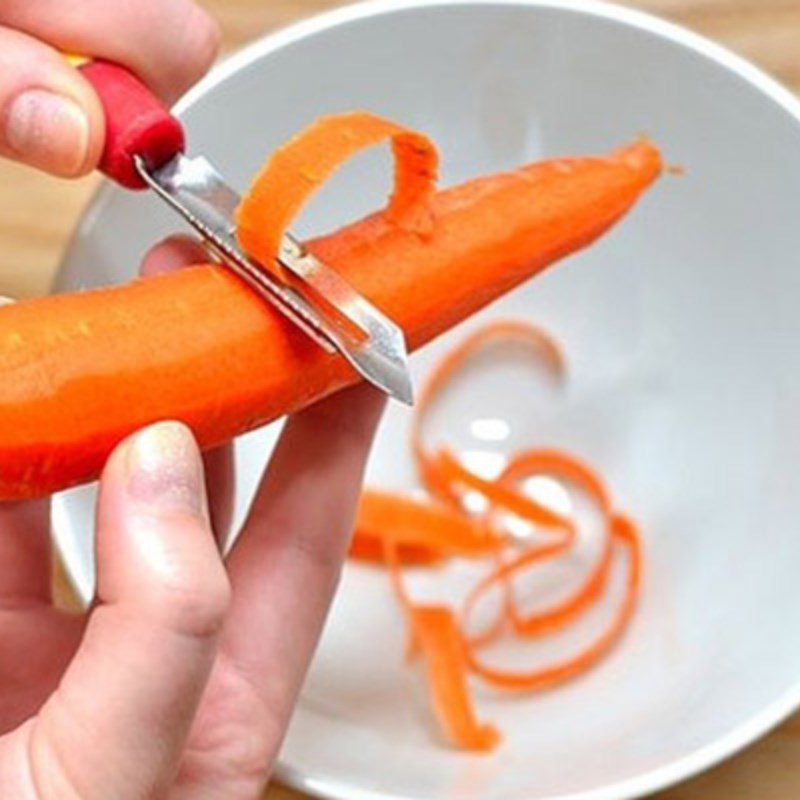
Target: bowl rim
x,y
746,732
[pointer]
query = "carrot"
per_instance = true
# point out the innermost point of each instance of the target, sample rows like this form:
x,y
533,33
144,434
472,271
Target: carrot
x,y
82,371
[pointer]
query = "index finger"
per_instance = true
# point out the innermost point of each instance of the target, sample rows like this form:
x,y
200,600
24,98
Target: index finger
x,y
285,567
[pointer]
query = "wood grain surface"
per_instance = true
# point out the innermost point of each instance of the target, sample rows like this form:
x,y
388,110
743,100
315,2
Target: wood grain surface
x,y
37,214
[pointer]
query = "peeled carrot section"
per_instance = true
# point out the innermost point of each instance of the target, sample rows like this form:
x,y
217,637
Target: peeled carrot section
x,y
82,371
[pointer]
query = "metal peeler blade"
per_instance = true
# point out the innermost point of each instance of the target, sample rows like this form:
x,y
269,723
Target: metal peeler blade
x,y
193,188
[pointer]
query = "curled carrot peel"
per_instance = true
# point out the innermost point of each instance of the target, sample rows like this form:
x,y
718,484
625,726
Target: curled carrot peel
x,y
449,471
561,613
439,471
370,548
572,470
416,532
299,167
624,532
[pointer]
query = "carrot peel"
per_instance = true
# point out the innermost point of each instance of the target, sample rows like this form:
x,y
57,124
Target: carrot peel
x,y
413,532
623,532
418,529
299,167
439,641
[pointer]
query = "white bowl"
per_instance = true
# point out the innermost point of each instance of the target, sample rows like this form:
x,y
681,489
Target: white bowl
x,y
683,330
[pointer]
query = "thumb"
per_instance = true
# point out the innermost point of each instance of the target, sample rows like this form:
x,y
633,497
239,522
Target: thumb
x,y
117,725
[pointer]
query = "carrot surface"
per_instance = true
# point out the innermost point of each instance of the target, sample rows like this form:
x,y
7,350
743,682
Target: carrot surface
x,y
82,371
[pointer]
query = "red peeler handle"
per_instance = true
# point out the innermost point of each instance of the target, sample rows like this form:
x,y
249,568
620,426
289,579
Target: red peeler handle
x,y
137,123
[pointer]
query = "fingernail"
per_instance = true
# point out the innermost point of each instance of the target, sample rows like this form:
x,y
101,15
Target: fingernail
x,y
49,131
164,469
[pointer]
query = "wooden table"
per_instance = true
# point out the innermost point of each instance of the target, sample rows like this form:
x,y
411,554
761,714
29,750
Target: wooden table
x,y
37,214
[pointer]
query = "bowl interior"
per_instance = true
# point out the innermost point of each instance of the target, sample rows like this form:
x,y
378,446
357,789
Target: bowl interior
x,y
680,330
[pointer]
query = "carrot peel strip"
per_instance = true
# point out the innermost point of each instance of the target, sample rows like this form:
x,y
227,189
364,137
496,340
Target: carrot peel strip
x,y
369,547
573,470
300,166
440,471
439,641
406,522
624,532
414,532
453,473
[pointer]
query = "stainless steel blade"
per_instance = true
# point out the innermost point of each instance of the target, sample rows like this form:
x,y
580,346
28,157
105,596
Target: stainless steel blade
x,y
193,188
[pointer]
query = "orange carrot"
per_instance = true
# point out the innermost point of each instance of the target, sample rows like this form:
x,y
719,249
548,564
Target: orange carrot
x,y
82,371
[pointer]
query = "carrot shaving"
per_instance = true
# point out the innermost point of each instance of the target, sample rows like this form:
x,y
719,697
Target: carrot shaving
x,y
451,472
298,168
439,640
624,532
370,548
559,615
401,531
405,522
433,467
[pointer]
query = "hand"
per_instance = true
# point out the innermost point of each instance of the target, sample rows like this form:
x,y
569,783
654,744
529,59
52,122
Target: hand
x,y
50,117
180,682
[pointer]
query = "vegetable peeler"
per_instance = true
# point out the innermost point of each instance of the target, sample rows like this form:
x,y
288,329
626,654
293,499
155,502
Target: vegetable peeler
x,y
145,148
